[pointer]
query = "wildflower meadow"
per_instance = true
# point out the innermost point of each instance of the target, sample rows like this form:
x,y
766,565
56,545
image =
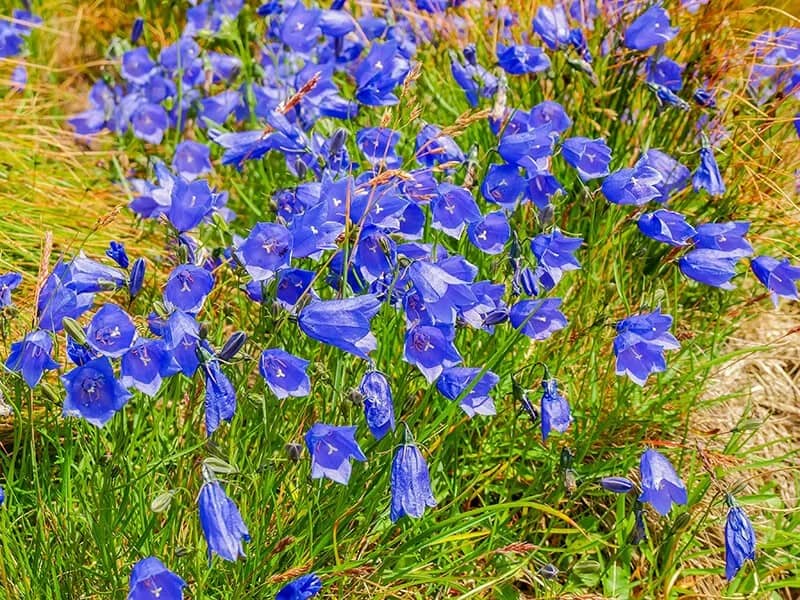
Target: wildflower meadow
x,y
399,299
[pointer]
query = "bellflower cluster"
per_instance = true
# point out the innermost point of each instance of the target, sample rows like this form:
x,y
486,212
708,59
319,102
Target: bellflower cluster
x,y
370,224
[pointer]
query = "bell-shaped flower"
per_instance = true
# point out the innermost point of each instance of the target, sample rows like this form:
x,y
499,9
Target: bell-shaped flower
x,y
490,233
182,338
146,364
707,176
187,288
555,255
778,276
728,238
191,160
640,344
666,226
635,186
454,381
84,274
538,319
711,267
378,405
740,541
137,66
521,59
411,483
266,249
220,401
284,373
151,579
190,203
590,157
674,175
222,523
452,209
651,28
8,283
432,147
555,411
504,185
527,149
661,485
116,252
302,588
31,357
331,449
551,25
149,121
93,393
381,71
342,323
111,331
431,349
378,146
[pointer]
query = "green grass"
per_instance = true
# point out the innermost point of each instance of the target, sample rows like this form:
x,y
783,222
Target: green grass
x,y
78,499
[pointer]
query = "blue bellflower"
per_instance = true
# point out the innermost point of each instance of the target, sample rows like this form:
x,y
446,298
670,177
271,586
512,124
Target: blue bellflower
x,y
555,409
145,365
31,357
190,202
674,175
411,483
590,157
191,160
636,186
222,523
381,71
667,227
552,26
284,373
151,579
538,319
342,323
707,176
651,28
555,255
302,588
661,485
331,449
778,276
8,283
618,485
490,233
740,541
93,393
504,185
452,209
378,404
522,59
187,288
728,238
116,252
640,344
266,249
711,267
220,401
431,349
111,331
455,380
